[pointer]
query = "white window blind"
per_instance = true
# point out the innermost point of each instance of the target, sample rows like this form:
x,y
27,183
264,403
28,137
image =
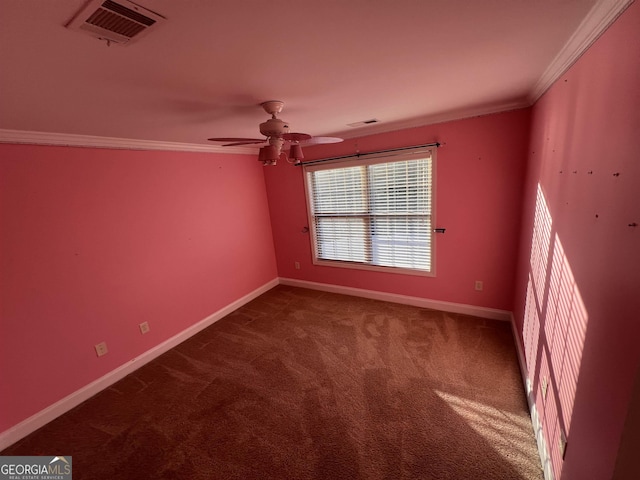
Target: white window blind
x,y
376,213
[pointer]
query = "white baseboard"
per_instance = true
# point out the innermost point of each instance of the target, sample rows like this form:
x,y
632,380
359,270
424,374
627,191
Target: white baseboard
x,y
31,424
545,458
521,359
462,308
543,452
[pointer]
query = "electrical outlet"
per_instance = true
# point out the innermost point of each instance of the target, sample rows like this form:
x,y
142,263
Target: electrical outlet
x,y
101,349
297,265
479,285
144,327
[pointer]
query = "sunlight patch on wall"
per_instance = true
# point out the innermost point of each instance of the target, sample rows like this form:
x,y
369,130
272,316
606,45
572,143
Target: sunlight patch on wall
x,y
555,322
540,246
531,328
565,326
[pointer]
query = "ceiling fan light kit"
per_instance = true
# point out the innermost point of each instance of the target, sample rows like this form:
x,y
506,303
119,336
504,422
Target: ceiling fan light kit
x,y
277,135
295,153
269,155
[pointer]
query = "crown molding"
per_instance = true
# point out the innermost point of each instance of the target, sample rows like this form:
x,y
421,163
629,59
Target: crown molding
x,y
448,116
601,16
90,141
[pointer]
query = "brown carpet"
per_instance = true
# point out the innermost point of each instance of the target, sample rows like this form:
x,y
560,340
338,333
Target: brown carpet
x,y
301,384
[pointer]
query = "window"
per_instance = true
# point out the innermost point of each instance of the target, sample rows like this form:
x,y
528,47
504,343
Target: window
x,y
373,214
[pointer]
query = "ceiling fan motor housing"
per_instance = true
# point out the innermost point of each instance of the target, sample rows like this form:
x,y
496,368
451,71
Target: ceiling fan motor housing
x,y
274,127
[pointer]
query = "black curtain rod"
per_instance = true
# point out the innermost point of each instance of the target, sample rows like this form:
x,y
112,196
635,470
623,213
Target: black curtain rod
x,y
358,155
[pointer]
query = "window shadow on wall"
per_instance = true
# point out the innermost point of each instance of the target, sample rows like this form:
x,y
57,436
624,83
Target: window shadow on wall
x,y
555,322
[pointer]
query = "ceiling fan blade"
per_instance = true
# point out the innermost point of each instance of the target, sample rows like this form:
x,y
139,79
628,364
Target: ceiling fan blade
x,y
296,137
234,139
319,140
253,142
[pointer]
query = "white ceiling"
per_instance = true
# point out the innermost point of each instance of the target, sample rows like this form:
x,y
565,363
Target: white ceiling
x,y
203,72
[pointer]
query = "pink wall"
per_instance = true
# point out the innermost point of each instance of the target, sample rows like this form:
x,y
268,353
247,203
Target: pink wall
x,y
577,298
627,465
96,241
479,175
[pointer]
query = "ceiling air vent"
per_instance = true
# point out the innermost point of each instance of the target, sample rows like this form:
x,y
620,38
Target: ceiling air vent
x,y
363,123
120,22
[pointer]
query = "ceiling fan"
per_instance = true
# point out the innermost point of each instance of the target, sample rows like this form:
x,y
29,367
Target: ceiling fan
x,y
277,135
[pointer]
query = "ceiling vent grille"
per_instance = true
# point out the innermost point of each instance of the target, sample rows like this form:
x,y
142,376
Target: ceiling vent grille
x,y
363,123
120,22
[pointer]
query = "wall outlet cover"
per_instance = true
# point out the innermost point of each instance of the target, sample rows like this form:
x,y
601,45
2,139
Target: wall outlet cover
x,y
101,349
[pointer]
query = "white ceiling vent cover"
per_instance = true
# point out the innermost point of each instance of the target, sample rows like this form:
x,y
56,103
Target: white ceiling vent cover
x,y
120,22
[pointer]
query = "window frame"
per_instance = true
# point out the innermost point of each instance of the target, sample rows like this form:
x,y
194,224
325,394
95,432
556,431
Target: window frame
x,y
408,154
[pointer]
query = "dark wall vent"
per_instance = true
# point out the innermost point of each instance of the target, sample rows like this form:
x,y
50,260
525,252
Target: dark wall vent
x,y
121,22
